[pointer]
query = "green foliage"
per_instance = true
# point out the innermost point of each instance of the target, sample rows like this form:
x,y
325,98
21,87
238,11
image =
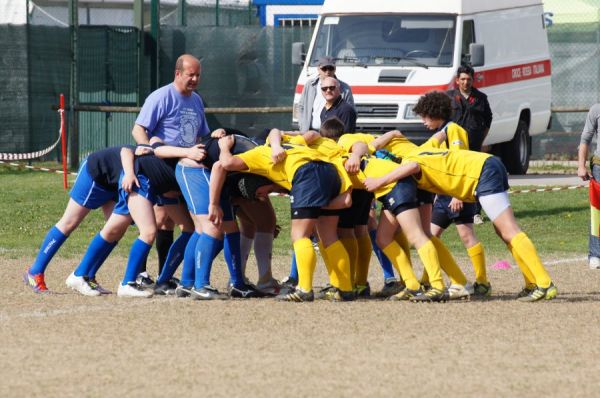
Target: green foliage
x,y
557,222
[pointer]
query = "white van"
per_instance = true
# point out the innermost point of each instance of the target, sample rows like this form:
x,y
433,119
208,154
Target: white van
x,y
390,52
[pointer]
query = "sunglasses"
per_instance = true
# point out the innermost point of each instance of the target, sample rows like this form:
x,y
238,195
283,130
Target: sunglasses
x,y
327,68
330,88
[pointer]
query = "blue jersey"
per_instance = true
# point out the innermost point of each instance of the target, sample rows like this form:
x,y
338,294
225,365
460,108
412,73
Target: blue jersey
x,y
176,119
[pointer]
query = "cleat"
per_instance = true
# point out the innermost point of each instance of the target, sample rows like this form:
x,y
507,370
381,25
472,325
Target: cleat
x,y
540,293
298,295
271,288
362,291
35,282
594,263
244,292
458,292
131,289
182,291
526,291
405,295
81,285
207,293
391,286
288,285
96,286
479,290
432,295
144,281
335,294
166,288
322,294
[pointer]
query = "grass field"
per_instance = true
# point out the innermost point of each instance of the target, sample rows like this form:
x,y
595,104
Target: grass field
x,y
69,345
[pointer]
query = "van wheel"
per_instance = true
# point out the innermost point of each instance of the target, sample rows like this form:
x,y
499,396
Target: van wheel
x,y
515,153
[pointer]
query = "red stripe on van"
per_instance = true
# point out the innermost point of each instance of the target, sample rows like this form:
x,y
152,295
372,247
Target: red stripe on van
x,y
484,78
511,74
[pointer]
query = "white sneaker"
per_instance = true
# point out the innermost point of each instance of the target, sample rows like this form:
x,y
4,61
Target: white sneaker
x,y
79,284
132,290
458,292
478,219
594,263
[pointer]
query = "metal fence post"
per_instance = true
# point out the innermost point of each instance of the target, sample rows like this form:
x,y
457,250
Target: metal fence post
x,y
74,86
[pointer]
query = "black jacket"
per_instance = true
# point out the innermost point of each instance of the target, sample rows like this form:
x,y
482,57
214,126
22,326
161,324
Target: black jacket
x,y
473,114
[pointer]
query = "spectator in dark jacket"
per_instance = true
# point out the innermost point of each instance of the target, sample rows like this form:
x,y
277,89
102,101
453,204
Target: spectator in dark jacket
x,y
470,108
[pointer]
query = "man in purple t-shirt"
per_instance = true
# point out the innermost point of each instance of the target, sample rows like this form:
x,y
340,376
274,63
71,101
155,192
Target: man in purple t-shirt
x,y
175,114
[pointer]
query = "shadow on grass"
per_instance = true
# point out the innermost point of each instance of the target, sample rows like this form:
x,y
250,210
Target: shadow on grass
x,y
552,211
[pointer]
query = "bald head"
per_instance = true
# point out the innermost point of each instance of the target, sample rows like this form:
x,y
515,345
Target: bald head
x,y
187,74
330,88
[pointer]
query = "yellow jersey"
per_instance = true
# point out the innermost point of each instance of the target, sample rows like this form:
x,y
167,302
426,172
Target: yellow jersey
x,y
259,161
456,137
443,171
397,146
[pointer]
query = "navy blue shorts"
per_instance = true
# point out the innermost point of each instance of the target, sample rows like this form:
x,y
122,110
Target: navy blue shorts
x,y
442,216
424,197
314,184
402,197
493,178
88,193
358,213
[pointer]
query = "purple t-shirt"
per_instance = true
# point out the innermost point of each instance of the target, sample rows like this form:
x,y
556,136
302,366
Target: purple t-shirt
x,y
175,118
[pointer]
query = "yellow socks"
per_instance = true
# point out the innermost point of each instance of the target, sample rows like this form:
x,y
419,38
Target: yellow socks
x,y
431,262
306,260
340,265
525,249
364,260
401,262
448,263
351,247
477,257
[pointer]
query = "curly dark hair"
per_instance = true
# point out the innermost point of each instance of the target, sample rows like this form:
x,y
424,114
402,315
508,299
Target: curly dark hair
x,y
435,105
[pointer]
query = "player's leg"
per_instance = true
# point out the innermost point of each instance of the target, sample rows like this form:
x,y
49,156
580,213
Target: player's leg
x,y
475,251
384,262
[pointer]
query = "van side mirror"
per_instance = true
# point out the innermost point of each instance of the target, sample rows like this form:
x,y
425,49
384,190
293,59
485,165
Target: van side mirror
x,y
298,53
477,54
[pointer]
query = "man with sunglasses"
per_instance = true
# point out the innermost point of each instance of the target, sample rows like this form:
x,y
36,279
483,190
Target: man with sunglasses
x,y
312,102
335,106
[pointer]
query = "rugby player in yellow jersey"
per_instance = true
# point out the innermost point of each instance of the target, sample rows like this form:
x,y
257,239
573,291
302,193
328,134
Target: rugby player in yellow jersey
x,y
409,209
448,210
313,183
351,222
473,176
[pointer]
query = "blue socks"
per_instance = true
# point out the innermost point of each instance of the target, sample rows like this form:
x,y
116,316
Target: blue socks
x,y
52,242
188,271
386,265
207,249
94,255
233,258
294,269
137,255
103,256
174,257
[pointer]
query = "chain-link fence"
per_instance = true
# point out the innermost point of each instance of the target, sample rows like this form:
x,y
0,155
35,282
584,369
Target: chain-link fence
x,y
244,66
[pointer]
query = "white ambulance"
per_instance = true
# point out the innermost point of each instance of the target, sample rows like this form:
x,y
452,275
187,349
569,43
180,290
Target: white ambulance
x,y
392,51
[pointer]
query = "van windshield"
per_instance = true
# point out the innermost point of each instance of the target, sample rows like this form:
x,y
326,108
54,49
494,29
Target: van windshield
x,y
364,40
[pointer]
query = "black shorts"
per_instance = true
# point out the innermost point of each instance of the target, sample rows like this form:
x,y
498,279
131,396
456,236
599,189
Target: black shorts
x,y
402,197
442,216
358,213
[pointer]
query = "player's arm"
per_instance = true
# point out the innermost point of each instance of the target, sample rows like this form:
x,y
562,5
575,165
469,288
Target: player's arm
x,y
195,152
358,150
277,152
342,201
385,139
139,134
405,170
129,177
217,179
228,161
